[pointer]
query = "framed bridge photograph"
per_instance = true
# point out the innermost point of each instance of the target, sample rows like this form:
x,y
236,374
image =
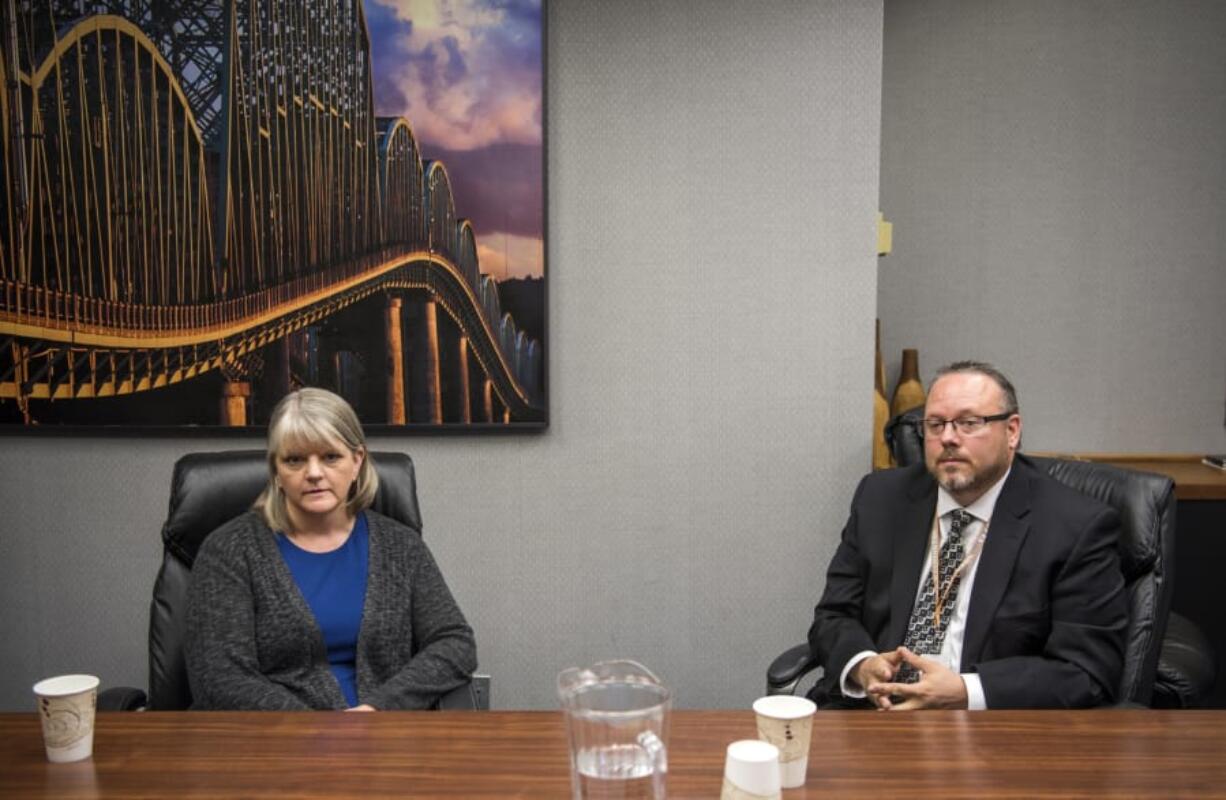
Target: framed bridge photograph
x,y
209,204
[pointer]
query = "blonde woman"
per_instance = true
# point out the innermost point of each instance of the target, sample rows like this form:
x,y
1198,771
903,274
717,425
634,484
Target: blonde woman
x,y
311,600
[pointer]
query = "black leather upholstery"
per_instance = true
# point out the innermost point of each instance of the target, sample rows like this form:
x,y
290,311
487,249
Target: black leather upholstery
x,y
789,668
1146,505
1187,666
208,489
902,436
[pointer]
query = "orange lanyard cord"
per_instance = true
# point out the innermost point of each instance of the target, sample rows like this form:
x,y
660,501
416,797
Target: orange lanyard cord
x,y
939,596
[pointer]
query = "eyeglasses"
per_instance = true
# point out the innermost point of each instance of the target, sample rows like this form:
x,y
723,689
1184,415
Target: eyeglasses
x,y
967,426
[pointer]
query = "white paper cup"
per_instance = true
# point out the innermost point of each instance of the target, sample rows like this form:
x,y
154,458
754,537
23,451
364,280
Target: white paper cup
x,y
787,723
751,771
66,707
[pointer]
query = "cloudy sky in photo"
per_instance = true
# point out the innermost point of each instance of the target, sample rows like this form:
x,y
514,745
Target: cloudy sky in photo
x,y
467,76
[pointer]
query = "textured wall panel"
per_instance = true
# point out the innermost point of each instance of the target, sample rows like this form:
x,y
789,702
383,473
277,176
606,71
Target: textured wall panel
x,y
1056,173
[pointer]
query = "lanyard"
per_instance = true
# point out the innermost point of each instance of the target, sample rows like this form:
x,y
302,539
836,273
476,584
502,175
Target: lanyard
x,y
939,596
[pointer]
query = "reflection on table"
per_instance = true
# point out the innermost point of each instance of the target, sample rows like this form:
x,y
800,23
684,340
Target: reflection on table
x,y
1105,753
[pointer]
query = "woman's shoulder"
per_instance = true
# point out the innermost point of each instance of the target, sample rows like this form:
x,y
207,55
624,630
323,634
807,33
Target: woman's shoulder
x,y
239,534
380,526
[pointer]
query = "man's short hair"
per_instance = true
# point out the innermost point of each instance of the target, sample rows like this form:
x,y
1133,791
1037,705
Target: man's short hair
x,y
984,368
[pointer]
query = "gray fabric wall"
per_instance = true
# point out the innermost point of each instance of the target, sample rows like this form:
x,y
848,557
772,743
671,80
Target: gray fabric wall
x,y
1056,173
713,180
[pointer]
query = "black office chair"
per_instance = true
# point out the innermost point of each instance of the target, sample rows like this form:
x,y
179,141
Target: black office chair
x,y
209,489
1156,671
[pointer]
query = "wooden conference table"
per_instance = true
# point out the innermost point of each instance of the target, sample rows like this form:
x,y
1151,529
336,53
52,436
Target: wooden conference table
x,y
1105,753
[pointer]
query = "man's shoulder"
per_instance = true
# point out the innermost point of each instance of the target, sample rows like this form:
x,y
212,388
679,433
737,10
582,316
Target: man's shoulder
x,y
888,482
888,491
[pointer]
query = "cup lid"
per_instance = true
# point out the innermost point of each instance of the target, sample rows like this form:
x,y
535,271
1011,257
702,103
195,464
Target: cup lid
x,y
63,685
784,706
753,751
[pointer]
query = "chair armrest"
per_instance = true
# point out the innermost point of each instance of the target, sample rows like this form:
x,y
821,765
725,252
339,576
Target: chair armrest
x,y
1187,666
121,698
472,696
1125,705
788,668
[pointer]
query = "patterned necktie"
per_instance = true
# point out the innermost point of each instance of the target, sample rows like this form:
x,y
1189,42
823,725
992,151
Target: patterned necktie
x,y
924,634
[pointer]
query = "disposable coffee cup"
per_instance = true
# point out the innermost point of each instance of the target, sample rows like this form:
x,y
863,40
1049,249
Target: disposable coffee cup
x,y
66,707
787,723
751,771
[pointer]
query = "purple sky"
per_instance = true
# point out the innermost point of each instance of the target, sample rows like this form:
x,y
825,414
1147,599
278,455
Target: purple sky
x,y
467,76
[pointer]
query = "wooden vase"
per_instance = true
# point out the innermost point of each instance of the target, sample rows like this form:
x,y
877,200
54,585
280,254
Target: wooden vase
x,y
880,376
881,410
910,391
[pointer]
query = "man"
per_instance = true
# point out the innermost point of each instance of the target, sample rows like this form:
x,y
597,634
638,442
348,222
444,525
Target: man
x,y
1027,609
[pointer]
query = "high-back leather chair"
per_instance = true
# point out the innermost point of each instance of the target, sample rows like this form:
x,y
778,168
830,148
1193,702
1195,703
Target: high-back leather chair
x,y
1145,503
207,490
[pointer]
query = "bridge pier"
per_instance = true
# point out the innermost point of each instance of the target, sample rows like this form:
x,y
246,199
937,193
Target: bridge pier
x,y
234,396
395,364
487,398
495,409
21,373
434,386
425,381
466,414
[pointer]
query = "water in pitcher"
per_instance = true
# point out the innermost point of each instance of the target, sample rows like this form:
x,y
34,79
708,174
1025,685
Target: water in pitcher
x,y
616,716
616,772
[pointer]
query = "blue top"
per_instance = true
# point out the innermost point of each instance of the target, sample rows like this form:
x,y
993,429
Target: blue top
x,y
334,586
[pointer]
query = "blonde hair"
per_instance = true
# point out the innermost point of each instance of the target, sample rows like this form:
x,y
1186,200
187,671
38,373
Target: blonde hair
x,y
311,418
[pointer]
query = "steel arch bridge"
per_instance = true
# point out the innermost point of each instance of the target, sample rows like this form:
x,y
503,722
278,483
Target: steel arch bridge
x,y
187,182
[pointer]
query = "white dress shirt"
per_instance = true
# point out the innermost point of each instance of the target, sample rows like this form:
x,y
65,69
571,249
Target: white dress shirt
x,y
951,647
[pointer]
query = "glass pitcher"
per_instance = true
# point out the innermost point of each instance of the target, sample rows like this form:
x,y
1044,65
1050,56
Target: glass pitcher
x,y
617,722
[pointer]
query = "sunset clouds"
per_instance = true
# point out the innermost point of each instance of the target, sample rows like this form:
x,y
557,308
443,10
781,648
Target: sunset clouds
x,y
506,256
466,72
467,76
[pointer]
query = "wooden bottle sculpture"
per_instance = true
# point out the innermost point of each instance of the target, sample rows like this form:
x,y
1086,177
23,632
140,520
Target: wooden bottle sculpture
x,y
881,410
910,392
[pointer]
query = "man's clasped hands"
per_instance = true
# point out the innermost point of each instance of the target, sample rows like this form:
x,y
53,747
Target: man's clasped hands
x,y
938,686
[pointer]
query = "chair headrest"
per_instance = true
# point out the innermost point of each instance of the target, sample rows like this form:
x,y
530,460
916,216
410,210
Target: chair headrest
x,y
209,489
904,438
1142,499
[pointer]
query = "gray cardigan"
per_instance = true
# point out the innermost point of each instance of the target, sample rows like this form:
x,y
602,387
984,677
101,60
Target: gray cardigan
x,y
253,643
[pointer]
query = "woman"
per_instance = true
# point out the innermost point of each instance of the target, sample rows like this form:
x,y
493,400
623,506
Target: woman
x,y
313,601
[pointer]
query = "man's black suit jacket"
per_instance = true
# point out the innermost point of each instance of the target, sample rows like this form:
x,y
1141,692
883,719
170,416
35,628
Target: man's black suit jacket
x,y
1045,626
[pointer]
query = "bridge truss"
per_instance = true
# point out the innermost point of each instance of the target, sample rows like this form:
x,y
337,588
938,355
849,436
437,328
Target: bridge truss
x,y
185,182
